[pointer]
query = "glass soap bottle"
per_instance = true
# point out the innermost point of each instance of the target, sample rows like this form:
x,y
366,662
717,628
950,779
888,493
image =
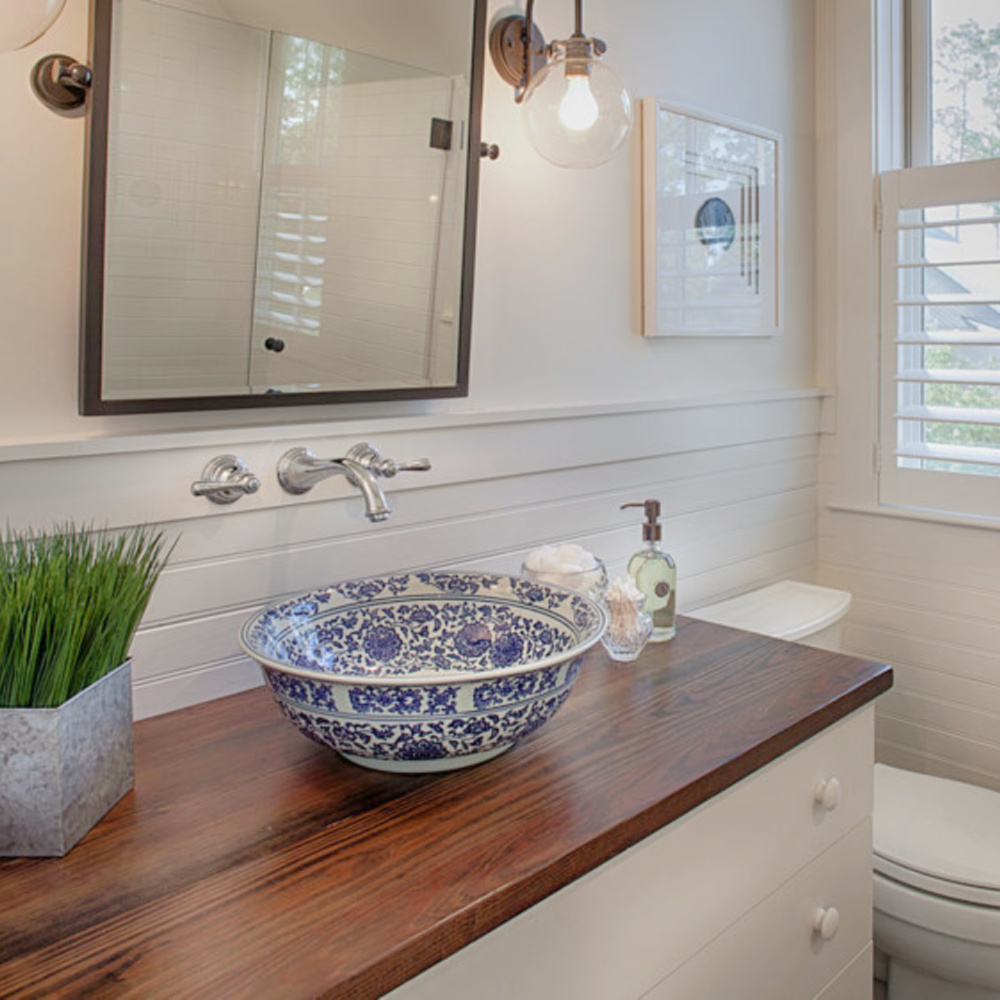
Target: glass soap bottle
x,y
655,574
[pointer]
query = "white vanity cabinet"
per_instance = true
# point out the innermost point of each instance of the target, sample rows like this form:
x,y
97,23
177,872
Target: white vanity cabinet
x,y
761,893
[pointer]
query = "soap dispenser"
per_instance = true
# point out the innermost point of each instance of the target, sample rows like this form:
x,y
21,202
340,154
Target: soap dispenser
x,y
655,574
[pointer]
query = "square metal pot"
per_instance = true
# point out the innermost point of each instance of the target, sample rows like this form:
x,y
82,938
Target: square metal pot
x,y
62,769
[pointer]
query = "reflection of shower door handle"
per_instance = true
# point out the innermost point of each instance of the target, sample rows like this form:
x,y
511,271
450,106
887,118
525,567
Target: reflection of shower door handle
x,y
274,344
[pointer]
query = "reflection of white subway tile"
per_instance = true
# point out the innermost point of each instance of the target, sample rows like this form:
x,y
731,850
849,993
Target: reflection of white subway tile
x,y
359,235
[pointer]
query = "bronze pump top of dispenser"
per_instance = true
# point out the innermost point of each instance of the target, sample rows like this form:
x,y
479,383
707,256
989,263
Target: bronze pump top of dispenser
x,y
651,530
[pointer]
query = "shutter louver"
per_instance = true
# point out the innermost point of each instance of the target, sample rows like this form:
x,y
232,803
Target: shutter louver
x,y
943,263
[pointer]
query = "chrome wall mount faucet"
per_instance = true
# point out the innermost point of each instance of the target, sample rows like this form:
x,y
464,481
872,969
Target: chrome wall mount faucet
x,y
299,470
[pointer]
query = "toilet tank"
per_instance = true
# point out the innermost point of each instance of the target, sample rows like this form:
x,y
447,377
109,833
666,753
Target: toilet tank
x,y
798,612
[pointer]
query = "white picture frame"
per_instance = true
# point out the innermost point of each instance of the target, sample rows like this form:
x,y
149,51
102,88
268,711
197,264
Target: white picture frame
x,y
710,225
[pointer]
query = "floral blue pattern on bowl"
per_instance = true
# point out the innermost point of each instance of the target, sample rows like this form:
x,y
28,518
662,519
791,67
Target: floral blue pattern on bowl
x,y
424,671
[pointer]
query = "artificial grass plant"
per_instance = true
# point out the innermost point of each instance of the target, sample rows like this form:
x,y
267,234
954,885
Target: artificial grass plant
x,y
70,602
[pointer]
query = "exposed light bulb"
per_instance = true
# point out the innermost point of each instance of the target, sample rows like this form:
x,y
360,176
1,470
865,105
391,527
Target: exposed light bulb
x,y
578,109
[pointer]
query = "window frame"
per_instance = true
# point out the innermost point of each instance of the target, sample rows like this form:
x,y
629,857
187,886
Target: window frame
x,y
904,104
918,81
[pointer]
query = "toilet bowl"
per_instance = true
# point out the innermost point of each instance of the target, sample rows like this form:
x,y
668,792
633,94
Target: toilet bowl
x,y
937,886
936,852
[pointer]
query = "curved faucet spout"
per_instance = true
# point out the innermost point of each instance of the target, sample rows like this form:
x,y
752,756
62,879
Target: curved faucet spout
x,y
299,470
378,508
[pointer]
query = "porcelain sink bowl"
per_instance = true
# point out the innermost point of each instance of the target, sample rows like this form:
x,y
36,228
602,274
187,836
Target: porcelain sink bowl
x,y
424,671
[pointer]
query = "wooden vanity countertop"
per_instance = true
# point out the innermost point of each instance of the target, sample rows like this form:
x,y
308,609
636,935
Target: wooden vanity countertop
x,y
250,862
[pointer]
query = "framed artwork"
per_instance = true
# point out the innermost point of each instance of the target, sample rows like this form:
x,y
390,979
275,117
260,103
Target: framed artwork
x,y
710,216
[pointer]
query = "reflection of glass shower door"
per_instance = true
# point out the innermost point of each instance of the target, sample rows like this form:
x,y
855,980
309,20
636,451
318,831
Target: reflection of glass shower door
x,y
351,205
184,151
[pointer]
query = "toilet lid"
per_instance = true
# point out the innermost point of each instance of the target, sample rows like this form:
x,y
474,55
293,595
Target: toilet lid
x,y
786,610
937,835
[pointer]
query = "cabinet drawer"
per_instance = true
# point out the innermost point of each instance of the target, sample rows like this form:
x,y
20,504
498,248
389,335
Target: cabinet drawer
x,y
855,982
619,930
775,950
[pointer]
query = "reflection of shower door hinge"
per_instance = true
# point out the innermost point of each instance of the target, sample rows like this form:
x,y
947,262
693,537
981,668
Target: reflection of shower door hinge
x,y
440,133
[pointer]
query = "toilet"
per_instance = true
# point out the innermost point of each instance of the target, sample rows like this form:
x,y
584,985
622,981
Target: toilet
x,y
796,612
937,886
936,852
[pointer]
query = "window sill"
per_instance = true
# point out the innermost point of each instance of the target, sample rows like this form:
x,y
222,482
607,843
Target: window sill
x,y
916,514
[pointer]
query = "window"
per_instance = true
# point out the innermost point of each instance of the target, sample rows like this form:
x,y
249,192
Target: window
x,y
940,281
954,81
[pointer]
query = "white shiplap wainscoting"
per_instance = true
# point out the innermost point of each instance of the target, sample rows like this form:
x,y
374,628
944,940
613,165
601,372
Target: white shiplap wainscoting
x,y
737,479
926,600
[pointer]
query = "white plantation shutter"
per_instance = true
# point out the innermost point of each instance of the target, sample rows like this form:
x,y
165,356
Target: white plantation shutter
x,y
940,302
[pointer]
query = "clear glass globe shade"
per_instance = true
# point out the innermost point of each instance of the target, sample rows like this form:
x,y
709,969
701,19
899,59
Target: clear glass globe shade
x,y
22,21
576,120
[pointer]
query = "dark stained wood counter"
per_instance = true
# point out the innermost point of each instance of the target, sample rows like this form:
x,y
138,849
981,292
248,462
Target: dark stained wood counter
x,y
249,862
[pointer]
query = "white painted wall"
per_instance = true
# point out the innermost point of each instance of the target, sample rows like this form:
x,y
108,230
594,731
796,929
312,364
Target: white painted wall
x,y
926,592
570,413
558,263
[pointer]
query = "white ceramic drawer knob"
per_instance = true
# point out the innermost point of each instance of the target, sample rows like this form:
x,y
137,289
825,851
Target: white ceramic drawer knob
x,y
827,794
826,922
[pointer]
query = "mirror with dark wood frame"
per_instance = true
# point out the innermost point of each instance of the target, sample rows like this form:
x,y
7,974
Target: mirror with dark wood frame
x,y
281,202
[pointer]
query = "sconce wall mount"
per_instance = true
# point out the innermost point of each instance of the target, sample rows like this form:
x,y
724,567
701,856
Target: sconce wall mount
x,y
61,83
510,51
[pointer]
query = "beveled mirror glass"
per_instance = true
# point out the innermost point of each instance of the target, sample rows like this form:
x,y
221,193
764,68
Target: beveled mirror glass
x,y
281,202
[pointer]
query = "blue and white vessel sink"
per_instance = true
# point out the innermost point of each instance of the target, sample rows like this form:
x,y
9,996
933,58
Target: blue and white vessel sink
x,y
424,671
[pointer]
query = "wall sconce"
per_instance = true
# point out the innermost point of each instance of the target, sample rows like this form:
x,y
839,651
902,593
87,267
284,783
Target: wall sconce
x,y
578,112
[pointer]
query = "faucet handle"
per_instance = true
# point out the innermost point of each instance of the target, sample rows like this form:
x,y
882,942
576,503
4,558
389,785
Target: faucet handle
x,y
413,465
224,480
368,457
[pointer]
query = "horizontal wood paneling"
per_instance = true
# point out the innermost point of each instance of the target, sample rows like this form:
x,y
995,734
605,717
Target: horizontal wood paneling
x,y
939,744
926,593
949,554
737,480
739,470
910,759
959,633
787,521
147,478
927,600
787,518
190,685
942,714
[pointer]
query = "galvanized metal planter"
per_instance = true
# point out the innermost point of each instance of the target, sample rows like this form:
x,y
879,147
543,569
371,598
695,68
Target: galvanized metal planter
x,y
62,769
